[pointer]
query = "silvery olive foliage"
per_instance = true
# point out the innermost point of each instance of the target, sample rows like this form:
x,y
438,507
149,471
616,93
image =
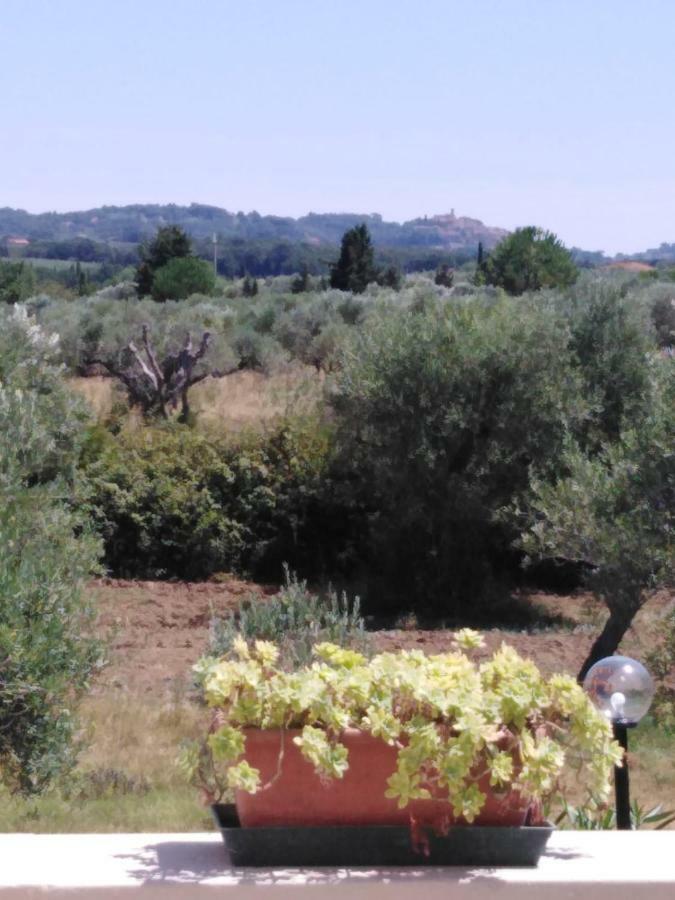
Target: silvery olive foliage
x,y
100,327
614,513
441,410
46,553
296,619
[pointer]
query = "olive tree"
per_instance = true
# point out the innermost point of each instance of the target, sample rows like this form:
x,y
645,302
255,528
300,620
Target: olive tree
x,y
440,413
157,352
157,384
614,515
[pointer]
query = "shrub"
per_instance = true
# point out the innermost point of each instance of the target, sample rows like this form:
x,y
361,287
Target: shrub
x,y
47,655
661,663
296,619
159,498
663,318
169,501
298,328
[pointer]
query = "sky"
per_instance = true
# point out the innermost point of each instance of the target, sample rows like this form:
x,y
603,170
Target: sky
x,y
557,113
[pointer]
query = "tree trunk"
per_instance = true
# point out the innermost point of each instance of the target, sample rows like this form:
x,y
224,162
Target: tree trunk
x,y
608,640
185,406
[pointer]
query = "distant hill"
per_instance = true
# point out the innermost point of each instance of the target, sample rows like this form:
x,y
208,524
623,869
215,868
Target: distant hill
x,y
665,253
263,245
132,224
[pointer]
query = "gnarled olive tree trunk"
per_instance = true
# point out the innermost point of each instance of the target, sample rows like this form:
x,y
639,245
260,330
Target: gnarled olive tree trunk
x,y
157,387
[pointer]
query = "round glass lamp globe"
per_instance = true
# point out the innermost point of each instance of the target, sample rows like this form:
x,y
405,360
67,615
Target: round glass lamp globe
x,y
621,688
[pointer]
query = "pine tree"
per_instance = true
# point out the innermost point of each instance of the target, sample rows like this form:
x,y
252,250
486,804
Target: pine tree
x,y
527,260
480,275
168,243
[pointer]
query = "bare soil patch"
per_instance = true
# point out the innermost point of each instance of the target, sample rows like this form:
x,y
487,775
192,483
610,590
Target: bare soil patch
x,y
631,265
159,629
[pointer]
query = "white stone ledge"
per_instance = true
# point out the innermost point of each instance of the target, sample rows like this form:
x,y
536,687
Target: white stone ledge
x,y
597,865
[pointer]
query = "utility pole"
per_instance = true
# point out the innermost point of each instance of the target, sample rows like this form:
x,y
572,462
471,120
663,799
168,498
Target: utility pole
x,y
215,255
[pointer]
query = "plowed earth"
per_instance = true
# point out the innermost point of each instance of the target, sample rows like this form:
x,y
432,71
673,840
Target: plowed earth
x,y
158,630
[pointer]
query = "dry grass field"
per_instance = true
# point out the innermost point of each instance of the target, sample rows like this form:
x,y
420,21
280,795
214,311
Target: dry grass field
x,y
243,400
143,705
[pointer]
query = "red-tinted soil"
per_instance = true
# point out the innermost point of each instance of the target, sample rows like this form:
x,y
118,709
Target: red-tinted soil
x,y
158,630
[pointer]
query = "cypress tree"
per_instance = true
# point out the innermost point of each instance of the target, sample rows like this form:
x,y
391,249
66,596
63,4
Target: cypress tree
x,y
355,269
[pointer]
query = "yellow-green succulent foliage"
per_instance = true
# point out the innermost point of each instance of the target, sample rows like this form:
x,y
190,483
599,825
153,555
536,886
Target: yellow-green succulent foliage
x,y
453,720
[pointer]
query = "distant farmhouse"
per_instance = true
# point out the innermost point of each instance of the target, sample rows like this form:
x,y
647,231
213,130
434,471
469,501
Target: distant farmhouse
x,y
16,246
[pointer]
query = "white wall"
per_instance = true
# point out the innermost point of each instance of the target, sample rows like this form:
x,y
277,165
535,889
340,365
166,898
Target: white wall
x,y
588,865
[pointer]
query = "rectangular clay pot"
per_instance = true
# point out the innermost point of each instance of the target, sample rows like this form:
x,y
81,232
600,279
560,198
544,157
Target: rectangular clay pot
x,y
298,797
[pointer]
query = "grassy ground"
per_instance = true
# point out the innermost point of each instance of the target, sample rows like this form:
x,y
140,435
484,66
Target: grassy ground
x,y
126,779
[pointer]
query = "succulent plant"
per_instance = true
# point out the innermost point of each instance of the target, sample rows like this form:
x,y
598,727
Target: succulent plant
x,y
457,724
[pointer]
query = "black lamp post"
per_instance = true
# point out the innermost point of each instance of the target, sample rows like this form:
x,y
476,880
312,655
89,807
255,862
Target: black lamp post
x,y
622,689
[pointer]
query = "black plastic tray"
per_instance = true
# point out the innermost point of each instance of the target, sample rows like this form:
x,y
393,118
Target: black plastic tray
x,y
376,846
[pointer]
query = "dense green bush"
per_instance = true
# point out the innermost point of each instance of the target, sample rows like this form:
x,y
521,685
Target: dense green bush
x,y
157,498
46,553
170,501
441,413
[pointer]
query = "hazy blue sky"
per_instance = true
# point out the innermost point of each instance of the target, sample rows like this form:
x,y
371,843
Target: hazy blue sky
x,y
512,111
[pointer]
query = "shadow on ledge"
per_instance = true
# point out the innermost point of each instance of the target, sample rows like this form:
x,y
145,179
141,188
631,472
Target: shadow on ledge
x,y
187,862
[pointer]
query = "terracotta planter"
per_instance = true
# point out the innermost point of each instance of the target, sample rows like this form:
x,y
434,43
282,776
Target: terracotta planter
x,y
299,797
